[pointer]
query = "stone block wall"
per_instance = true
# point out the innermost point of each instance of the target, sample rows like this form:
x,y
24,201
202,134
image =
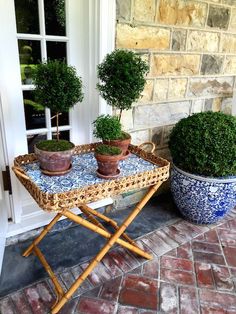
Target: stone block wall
x,y
191,50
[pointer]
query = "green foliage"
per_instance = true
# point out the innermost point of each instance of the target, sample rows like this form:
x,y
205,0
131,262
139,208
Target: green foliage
x,y
122,78
108,150
54,145
107,127
57,86
205,144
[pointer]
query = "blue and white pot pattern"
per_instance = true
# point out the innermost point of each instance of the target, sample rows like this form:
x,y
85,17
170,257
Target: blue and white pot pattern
x,y
202,200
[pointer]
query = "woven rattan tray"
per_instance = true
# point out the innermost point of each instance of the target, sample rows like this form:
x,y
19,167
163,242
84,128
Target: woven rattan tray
x,y
70,199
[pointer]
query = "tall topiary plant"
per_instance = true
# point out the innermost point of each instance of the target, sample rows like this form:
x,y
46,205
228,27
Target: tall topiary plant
x,y
122,78
57,87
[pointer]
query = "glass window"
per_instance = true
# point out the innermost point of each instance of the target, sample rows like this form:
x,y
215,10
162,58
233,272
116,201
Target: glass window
x,y
64,135
30,54
63,119
33,139
56,50
34,112
27,16
55,17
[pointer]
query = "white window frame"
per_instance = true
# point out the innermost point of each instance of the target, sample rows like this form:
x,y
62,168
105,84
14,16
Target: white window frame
x,y
90,22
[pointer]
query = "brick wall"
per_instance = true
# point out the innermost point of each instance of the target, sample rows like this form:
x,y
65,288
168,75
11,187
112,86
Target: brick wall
x,y
191,50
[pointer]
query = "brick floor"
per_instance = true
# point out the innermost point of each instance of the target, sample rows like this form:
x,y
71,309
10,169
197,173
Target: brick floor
x,y
193,271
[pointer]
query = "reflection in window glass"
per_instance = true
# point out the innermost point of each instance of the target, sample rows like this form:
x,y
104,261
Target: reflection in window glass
x,y
34,112
63,119
30,54
56,50
27,17
64,135
33,139
55,17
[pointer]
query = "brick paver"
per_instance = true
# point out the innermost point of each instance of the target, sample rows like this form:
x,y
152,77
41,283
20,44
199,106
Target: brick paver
x,y
193,272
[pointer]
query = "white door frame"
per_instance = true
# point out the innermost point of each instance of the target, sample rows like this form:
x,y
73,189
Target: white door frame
x,y
4,195
91,24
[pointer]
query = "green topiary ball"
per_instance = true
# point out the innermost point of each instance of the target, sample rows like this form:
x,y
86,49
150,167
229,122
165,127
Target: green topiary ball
x,y
205,144
57,85
107,127
122,76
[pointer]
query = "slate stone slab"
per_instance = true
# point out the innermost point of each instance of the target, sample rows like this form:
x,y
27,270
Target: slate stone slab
x,y
75,245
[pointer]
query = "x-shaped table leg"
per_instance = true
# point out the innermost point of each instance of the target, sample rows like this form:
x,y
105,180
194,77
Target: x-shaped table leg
x,y
115,238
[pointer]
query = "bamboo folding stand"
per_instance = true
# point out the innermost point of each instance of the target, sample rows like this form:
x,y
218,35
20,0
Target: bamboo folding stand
x,y
61,203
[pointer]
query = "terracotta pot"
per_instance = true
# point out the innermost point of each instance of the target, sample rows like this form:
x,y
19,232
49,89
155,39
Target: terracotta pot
x,y
108,165
54,163
122,144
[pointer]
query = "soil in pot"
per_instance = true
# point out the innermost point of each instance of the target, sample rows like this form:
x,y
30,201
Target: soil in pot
x,y
108,163
122,143
57,162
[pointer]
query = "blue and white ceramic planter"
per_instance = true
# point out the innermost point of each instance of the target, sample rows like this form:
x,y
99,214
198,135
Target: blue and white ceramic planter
x,y
202,200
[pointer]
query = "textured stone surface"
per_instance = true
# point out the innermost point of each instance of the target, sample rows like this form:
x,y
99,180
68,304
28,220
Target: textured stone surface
x,y
156,135
123,9
203,41
160,89
218,17
127,119
175,64
177,88
230,65
178,40
197,105
179,12
226,105
140,137
142,37
144,10
229,2
211,64
210,86
147,93
166,134
228,43
160,114
232,25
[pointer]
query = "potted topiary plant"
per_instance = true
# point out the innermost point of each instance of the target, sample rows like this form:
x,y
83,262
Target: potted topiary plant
x,y
58,88
203,180
122,79
108,128
108,158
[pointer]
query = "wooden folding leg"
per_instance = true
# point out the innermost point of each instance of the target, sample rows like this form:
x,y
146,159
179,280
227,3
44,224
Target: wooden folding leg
x,y
89,211
42,235
113,239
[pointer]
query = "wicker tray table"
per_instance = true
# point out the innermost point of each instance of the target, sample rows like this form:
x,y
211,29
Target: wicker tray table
x,y
81,186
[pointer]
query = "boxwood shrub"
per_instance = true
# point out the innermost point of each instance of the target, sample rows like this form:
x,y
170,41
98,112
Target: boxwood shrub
x,y
205,144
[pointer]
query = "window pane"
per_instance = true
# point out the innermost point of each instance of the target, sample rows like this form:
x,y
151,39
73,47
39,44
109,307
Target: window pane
x,y
63,119
64,135
33,139
30,54
34,113
56,50
27,16
55,17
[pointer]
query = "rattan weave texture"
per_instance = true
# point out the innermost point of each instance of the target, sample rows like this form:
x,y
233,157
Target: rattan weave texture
x,y
58,202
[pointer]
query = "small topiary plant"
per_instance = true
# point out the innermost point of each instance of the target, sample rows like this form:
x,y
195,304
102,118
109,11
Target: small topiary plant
x,y
107,127
205,144
57,87
122,76
108,150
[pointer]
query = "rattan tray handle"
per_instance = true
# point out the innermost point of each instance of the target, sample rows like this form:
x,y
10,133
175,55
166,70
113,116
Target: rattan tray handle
x,y
18,171
150,145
